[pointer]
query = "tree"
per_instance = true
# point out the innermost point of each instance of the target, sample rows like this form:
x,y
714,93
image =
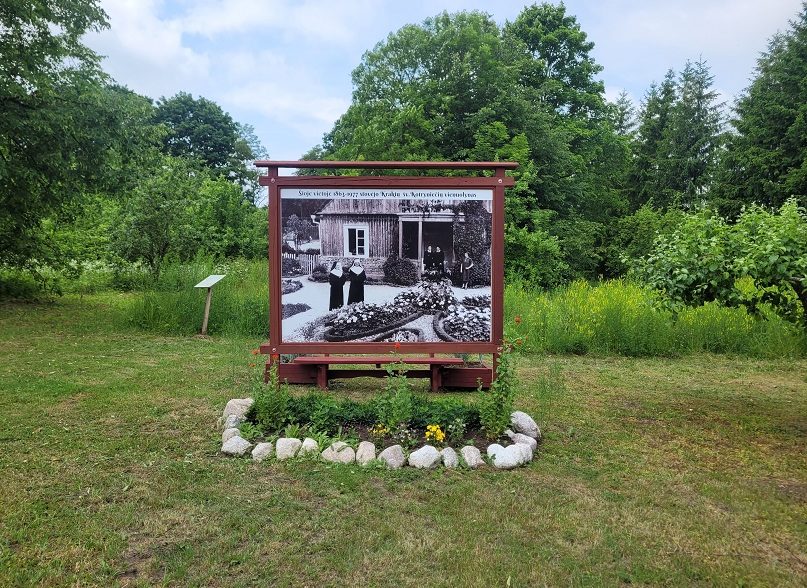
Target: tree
x,y
52,144
296,229
561,71
156,219
691,139
198,129
644,178
766,156
623,115
458,87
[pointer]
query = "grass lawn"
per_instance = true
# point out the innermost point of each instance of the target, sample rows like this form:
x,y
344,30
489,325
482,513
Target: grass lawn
x,y
680,472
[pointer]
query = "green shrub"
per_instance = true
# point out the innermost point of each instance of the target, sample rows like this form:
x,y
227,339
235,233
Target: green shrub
x,y
399,270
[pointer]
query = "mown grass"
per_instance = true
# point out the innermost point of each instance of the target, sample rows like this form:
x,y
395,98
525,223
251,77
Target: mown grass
x,y
689,471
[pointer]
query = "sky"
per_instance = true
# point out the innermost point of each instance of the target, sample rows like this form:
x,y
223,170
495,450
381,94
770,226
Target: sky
x,y
284,66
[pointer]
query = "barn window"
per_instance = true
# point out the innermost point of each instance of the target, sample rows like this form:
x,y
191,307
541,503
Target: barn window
x,y
356,240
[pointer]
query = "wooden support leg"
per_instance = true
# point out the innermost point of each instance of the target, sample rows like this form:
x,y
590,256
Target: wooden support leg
x,y
322,376
436,377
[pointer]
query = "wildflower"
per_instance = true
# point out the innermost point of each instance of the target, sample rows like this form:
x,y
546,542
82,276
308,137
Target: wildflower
x,y
255,351
397,346
252,365
275,357
518,319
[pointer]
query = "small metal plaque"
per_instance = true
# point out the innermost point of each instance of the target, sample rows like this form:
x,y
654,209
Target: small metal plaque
x,y
210,281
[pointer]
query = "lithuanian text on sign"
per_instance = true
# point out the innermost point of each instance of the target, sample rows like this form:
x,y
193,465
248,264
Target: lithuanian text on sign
x,y
385,193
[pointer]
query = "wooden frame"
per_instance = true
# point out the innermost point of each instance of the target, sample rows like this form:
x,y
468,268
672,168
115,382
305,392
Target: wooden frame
x,y
275,182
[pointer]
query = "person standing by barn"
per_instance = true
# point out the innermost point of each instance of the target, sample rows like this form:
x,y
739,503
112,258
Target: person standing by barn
x,y
357,278
466,267
337,279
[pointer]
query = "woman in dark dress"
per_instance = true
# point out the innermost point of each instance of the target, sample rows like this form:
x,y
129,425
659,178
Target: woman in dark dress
x,y
466,267
357,278
337,279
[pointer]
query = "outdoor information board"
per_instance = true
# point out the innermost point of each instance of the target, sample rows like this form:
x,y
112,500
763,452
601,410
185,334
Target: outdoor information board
x,y
376,263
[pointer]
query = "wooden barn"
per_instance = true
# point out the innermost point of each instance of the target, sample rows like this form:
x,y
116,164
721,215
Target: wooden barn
x,y
374,229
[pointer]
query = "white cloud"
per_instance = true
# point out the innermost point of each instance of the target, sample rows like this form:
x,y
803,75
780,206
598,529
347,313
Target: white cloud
x,y
144,51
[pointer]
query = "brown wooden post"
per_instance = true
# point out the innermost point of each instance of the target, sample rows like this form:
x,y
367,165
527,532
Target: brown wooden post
x,y
207,310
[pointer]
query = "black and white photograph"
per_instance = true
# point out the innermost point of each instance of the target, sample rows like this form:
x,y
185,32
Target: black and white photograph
x,y
392,265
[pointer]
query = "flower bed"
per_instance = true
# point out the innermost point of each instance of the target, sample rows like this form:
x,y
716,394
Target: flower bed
x,y
483,301
409,335
290,310
429,296
463,323
364,320
289,286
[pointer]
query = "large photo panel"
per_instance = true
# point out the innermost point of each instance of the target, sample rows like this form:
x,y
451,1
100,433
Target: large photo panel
x,y
386,265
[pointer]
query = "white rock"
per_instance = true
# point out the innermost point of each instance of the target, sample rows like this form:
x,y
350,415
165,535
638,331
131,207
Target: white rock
x,y
235,446
426,457
493,449
232,421
526,452
238,407
309,446
365,453
393,456
472,456
523,423
508,458
262,451
229,434
522,438
339,452
287,447
450,459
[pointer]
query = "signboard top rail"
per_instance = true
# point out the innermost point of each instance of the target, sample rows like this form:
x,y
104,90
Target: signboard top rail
x,y
388,164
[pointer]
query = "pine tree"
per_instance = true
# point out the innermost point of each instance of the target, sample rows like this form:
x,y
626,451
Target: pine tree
x,y
652,124
766,159
691,139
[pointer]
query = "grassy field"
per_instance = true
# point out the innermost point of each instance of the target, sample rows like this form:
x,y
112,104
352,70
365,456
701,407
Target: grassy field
x,y
688,471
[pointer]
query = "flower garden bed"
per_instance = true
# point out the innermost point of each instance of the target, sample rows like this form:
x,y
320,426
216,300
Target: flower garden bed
x,y
462,323
365,320
418,443
405,335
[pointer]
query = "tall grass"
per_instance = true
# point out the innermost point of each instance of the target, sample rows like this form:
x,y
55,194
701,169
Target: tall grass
x,y
173,306
619,317
611,317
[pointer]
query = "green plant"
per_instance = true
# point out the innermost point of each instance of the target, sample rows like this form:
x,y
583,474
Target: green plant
x,y
271,408
294,430
396,405
496,405
455,430
250,431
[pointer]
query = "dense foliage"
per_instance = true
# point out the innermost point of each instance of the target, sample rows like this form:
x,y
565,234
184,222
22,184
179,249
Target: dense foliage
x,y
97,180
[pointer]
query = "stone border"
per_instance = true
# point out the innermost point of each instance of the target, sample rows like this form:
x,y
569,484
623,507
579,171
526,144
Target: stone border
x,y
524,436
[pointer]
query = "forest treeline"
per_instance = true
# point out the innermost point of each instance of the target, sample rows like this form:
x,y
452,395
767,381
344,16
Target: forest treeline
x,y
701,200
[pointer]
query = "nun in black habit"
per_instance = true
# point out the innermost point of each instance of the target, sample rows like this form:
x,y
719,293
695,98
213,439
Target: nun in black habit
x,y
337,279
357,278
